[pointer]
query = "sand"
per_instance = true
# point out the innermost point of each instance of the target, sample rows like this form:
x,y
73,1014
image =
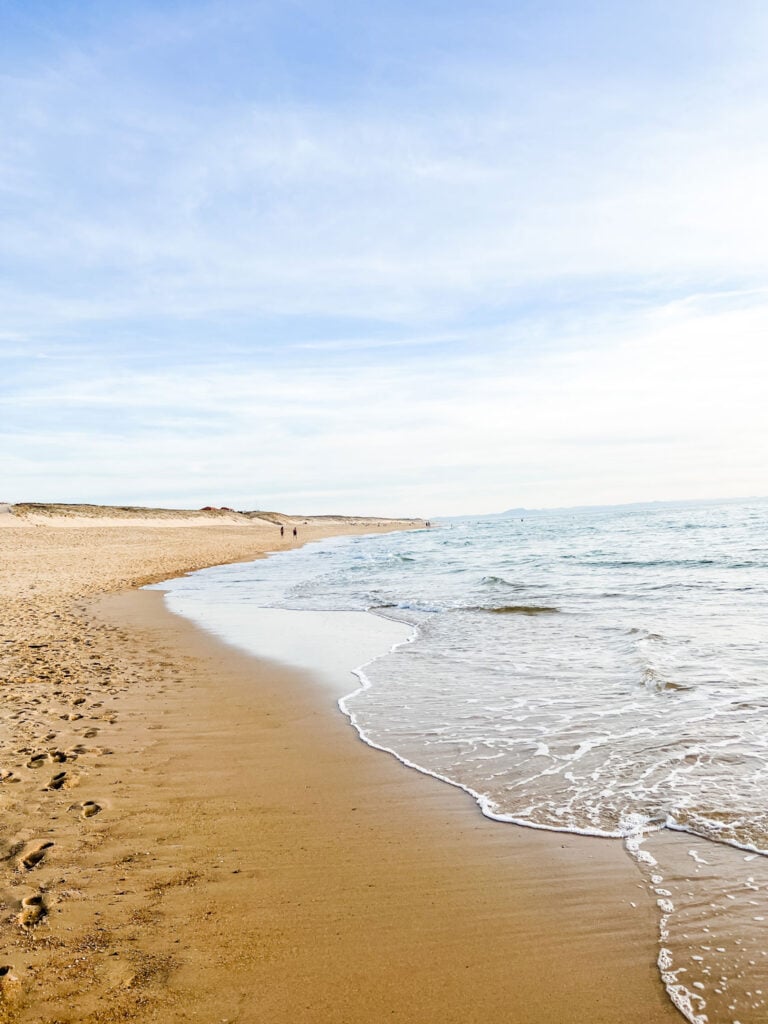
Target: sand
x,y
191,834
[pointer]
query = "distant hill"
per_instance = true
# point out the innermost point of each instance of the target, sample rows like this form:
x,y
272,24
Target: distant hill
x,y
629,506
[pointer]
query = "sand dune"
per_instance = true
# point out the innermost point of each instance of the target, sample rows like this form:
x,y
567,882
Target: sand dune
x,y
63,515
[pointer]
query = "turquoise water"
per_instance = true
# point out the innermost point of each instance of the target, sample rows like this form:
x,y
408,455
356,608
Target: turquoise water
x,y
595,671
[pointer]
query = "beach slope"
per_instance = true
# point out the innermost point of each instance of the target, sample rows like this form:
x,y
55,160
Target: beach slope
x,y
189,834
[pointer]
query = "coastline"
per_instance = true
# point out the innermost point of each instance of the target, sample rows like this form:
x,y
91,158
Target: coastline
x,y
253,860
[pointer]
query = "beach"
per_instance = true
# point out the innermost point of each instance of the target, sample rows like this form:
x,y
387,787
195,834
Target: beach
x,y
193,834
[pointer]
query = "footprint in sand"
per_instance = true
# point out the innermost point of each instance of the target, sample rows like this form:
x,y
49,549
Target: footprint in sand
x,y
9,983
8,776
38,760
81,750
59,780
90,733
34,856
33,910
87,808
110,717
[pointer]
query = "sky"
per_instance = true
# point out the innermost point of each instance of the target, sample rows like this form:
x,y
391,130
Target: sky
x,y
393,259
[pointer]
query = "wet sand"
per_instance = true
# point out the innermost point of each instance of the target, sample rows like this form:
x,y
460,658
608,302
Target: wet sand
x,y
224,848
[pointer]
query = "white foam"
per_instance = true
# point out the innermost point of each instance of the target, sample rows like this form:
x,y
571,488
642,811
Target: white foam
x,y
694,854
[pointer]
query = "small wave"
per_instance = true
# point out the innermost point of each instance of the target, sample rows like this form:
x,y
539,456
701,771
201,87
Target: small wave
x,y
406,606
521,609
661,563
653,681
495,581
740,829
644,634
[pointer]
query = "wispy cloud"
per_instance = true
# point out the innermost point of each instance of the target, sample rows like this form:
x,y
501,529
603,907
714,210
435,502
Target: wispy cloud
x,y
614,417
485,253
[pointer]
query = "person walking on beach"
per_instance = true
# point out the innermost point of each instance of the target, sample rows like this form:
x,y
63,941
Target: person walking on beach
x,y
295,532
282,531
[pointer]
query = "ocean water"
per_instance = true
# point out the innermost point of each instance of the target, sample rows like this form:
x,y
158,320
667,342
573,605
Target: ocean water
x,y
601,671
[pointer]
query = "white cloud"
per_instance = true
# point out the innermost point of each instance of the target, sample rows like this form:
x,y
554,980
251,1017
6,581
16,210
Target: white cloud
x,y
508,239
389,211
673,410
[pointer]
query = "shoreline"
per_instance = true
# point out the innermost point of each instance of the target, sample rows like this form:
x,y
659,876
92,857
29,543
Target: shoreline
x,y
414,886
251,859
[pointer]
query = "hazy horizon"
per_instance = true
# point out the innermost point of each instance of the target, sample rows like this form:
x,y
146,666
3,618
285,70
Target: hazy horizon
x,y
416,514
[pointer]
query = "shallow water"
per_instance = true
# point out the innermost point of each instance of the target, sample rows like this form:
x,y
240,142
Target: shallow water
x,y
594,671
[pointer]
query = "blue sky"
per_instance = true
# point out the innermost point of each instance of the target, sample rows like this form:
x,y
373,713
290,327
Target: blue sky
x,y
430,258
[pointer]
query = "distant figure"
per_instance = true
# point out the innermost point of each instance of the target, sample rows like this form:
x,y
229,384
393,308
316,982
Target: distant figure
x,y
282,531
295,532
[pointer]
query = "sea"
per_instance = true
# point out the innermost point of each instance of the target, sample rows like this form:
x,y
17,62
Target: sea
x,y
600,671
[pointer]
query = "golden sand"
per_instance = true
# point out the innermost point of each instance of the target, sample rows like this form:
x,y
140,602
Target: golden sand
x,y
189,834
